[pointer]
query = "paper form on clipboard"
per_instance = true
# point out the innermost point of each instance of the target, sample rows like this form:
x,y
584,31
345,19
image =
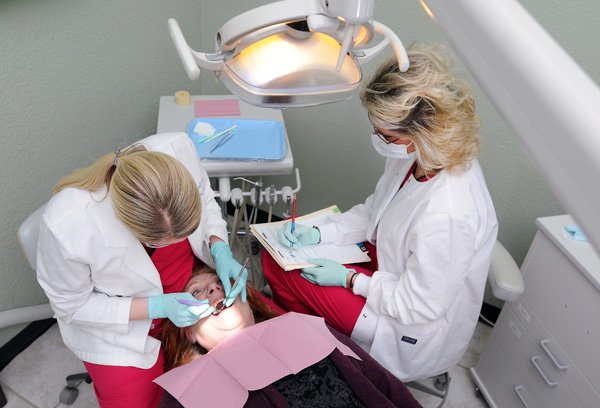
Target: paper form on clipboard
x,y
297,258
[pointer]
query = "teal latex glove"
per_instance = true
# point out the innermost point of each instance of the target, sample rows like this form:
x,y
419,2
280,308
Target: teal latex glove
x,y
327,273
228,268
181,315
301,236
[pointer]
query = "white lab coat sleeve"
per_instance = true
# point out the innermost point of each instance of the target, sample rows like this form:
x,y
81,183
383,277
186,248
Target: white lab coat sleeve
x,y
350,227
441,248
68,284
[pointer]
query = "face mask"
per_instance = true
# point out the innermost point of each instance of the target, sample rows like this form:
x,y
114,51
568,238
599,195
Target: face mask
x,y
392,150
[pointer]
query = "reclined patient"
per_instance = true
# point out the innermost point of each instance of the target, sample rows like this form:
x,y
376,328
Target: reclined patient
x,y
247,352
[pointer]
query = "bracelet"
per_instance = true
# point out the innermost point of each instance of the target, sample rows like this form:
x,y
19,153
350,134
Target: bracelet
x,y
319,231
350,284
352,279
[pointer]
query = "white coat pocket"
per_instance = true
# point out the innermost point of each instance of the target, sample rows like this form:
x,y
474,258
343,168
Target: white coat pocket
x,y
416,349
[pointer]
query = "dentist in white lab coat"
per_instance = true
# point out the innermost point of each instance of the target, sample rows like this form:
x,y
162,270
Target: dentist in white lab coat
x,y
431,220
117,244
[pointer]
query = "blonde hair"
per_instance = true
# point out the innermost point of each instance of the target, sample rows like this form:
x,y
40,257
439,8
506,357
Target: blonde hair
x,y
429,104
152,193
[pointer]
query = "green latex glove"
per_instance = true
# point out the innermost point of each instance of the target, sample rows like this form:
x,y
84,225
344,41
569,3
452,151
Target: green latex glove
x,y
182,315
327,273
300,236
228,268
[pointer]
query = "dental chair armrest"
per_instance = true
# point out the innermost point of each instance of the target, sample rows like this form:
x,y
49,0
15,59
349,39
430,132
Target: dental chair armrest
x,y
505,276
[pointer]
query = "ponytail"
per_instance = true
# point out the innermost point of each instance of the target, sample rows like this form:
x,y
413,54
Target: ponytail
x,y
96,176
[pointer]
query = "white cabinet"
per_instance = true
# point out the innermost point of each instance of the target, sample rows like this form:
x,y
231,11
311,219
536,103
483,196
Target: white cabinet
x,y
545,349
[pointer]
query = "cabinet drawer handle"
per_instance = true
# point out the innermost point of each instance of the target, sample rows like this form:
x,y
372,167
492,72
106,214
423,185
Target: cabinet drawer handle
x,y
518,390
534,361
544,344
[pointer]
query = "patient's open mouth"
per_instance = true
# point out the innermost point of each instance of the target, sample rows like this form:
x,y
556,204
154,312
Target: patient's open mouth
x,y
219,306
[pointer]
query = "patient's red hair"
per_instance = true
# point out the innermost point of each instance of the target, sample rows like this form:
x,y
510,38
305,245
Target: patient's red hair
x,y
178,350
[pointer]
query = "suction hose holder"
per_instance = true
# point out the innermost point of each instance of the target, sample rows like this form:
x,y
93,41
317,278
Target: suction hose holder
x,y
225,192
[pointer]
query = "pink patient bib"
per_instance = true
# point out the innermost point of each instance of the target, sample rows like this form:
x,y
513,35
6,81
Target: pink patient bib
x,y
253,359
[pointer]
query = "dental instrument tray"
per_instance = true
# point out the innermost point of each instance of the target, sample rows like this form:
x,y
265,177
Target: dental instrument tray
x,y
238,139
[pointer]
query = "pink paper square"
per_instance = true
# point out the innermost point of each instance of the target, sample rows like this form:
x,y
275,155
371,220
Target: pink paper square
x,y
255,358
217,107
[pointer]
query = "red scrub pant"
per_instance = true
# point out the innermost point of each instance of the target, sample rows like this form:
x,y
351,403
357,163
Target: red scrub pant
x,y
337,305
126,387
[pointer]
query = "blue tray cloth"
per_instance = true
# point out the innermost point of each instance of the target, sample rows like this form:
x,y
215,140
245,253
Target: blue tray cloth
x,y
252,139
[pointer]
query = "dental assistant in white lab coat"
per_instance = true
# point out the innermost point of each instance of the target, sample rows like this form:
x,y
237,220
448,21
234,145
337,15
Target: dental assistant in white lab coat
x,y
431,220
117,244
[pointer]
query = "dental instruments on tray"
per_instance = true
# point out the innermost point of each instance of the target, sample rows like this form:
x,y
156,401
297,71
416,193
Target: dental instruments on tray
x,y
229,131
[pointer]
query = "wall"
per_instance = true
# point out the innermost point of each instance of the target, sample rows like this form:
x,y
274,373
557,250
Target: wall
x,y
79,78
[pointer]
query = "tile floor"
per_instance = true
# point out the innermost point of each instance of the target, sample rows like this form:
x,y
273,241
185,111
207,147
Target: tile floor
x,y
35,378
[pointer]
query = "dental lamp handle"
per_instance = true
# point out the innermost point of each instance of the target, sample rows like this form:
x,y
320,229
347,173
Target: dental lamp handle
x,y
183,50
192,60
346,44
365,55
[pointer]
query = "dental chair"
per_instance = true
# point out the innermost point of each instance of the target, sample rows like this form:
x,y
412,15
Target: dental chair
x,y
507,284
27,235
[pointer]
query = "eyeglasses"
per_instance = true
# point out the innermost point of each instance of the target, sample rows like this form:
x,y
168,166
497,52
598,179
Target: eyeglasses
x,y
386,139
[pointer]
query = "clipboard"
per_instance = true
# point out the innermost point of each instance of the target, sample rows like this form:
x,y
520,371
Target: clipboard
x,y
297,258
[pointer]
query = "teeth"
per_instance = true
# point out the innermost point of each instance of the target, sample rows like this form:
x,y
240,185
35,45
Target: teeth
x,y
219,306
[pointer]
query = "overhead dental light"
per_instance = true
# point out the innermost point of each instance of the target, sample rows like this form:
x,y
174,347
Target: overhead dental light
x,y
293,53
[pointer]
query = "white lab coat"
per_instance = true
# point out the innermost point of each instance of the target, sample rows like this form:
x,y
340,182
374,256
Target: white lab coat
x,y
91,266
434,242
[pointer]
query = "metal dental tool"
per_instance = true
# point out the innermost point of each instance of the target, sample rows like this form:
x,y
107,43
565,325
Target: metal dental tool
x,y
220,306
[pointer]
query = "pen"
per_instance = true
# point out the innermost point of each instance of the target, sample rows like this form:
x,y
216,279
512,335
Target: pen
x,y
293,217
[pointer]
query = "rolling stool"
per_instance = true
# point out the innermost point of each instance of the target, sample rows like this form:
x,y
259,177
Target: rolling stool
x,y
69,394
